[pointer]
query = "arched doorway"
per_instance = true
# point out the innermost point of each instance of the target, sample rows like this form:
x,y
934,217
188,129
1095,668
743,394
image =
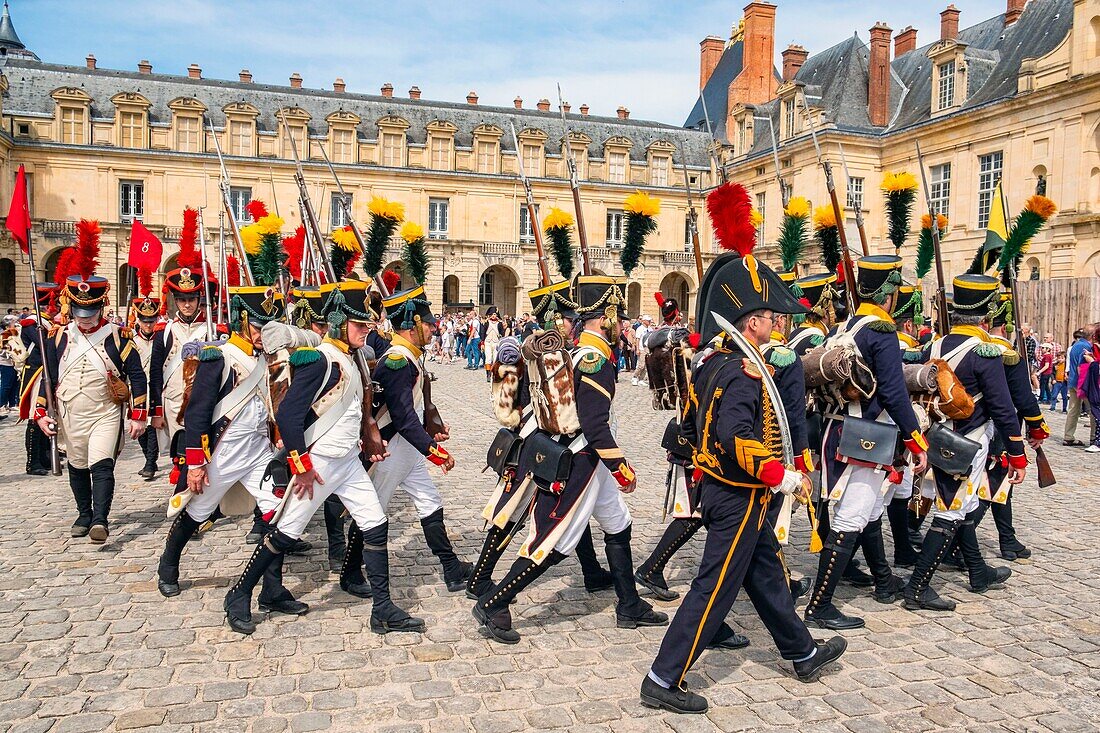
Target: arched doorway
x,y
398,266
677,285
7,281
499,286
50,268
633,299
450,289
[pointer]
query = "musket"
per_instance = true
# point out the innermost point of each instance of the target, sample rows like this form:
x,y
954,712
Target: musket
x,y
693,222
846,255
941,287
210,332
574,183
227,204
859,209
223,270
784,189
532,215
714,145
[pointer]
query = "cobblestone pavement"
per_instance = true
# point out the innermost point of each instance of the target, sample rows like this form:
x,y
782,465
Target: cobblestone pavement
x,y
88,644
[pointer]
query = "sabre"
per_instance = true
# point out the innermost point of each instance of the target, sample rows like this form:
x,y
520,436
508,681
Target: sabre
x,y
574,183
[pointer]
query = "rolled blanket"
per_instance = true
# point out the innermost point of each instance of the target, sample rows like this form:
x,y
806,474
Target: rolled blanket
x,y
508,350
921,378
278,336
543,342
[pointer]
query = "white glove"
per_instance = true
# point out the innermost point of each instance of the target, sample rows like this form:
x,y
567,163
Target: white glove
x,y
791,483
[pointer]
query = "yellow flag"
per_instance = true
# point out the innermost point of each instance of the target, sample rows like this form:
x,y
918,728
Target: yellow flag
x,y
996,231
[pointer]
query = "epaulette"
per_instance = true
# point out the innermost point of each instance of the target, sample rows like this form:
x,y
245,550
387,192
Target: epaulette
x,y
396,361
1011,357
210,353
780,357
817,339
883,326
304,355
989,351
126,333
750,368
591,363
911,356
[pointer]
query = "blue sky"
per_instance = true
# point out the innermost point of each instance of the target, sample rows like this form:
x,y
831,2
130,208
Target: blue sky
x,y
643,54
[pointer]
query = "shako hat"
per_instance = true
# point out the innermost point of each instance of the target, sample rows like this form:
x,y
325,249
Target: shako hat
x,y
348,300
406,308
877,277
184,282
45,296
146,309
309,307
551,302
258,304
670,308
598,295
975,295
86,295
735,286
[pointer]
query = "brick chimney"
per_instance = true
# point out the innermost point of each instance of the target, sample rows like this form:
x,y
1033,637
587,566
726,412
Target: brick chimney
x,y
1014,10
544,105
949,24
518,102
905,41
623,113
194,71
793,58
756,83
584,110
339,86
245,76
710,51
387,90
295,80
89,61
471,98
878,83
144,67
414,92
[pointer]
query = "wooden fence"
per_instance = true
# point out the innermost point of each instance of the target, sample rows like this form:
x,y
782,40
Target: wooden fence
x,y
1059,306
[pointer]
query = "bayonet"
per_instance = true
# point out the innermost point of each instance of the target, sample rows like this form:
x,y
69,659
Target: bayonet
x,y
225,184
720,169
532,214
784,190
692,220
941,285
574,184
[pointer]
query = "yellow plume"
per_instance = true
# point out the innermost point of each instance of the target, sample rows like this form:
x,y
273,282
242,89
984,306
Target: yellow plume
x,y
270,224
757,218
345,239
798,207
824,217
902,181
557,219
386,209
250,238
926,221
411,231
642,204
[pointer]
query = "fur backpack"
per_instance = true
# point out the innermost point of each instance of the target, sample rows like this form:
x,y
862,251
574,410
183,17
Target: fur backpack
x,y
550,371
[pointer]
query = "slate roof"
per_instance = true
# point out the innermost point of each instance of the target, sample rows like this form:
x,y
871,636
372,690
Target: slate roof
x,y
31,82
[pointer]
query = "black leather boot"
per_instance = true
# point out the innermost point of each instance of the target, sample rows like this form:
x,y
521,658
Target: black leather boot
x,y
916,539
103,493
38,456
481,579
385,616
168,571
888,587
897,511
274,597
651,573
455,572
982,576
918,592
334,529
835,554
596,578
1011,548
631,611
80,481
352,579
150,447
491,611
259,528
238,601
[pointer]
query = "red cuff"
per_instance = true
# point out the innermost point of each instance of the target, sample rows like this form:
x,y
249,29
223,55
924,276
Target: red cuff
x,y
195,457
139,415
625,475
1039,432
916,444
1019,461
39,413
158,411
437,454
299,464
803,462
771,473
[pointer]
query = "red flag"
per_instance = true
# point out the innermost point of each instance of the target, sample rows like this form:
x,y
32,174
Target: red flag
x,y
145,248
19,215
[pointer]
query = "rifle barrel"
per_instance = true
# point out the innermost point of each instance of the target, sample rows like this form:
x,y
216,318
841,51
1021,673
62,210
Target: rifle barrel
x,y
224,184
575,185
532,215
941,292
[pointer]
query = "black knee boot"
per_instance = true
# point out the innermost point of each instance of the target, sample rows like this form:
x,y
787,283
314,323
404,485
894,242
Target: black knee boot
x,y
150,448
888,587
168,572
352,579
897,511
238,601
916,539
595,577
835,555
982,576
492,612
1011,548
38,450
651,573
631,611
80,481
274,597
103,493
918,592
259,528
455,572
481,579
334,528
385,616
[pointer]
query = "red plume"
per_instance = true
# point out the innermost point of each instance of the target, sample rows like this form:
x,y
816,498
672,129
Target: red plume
x,y
232,271
660,298
145,282
391,280
730,210
294,245
87,246
256,209
695,339
66,265
189,255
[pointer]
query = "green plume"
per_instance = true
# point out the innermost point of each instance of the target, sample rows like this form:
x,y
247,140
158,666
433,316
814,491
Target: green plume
x,y
561,246
415,255
792,240
829,239
637,228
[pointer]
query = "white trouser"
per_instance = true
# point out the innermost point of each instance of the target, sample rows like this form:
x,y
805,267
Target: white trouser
x,y
344,477
406,468
969,493
862,500
242,457
603,502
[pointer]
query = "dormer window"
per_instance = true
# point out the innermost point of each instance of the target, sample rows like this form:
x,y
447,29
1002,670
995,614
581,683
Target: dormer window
x,y
945,87
788,117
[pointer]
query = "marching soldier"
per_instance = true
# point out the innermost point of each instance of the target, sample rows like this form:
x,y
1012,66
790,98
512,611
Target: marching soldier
x,y
731,421
227,439
91,361
853,484
978,366
319,420
598,477
37,443
146,309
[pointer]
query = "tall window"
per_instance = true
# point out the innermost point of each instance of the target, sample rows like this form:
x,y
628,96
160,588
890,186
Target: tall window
x,y
441,153
240,138
743,136
239,196
339,215
788,118
438,218
485,288
989,172
343,146
616,167
131,200
658,174
187,134
946,85
614,228
526,233
72,125
940,189
391,150
532,160
486,157
132,130
855,194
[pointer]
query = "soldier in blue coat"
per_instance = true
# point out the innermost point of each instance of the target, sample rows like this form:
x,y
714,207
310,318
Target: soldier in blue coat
x,y
37,443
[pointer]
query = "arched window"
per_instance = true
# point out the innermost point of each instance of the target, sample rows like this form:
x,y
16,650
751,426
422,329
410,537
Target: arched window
x,y
7,281
1094,37
1033,268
